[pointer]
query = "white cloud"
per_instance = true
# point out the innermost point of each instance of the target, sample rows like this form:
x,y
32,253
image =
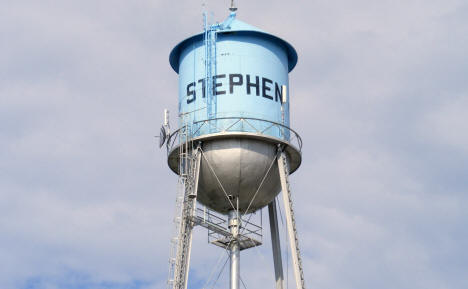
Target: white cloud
x,y
447,124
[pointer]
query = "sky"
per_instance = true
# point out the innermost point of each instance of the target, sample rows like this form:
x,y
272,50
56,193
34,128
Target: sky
x,y
379,96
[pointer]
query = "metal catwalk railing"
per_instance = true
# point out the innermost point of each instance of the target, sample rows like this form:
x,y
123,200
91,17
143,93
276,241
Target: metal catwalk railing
x,y
218,230
249,125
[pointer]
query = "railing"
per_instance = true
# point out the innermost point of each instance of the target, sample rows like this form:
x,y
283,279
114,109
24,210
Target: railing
x,y
218,229
237,124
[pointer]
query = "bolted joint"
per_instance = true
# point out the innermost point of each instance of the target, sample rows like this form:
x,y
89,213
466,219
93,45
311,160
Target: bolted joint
x,y
233,223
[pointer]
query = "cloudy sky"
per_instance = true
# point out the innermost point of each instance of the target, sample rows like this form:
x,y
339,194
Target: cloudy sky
x,y
379,95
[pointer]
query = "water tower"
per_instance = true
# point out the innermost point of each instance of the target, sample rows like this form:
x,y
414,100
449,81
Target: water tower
x,y
234,148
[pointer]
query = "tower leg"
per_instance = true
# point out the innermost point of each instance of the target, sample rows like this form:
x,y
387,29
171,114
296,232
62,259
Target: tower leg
x,y
291,224
275,244
234,249
185,234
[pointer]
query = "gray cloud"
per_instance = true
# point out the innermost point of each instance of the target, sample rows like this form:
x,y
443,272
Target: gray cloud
x,y
379,96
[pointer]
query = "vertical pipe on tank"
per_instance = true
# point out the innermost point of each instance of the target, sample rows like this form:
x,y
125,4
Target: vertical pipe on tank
x,y
233,218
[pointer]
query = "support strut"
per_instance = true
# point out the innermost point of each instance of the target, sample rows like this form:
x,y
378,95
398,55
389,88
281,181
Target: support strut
x,y
291,223
275,244
182,262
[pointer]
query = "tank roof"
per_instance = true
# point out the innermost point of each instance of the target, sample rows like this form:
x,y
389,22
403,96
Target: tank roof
x,y
237,25
241,28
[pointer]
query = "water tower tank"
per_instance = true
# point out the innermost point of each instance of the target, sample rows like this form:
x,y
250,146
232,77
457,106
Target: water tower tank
x,y
234,93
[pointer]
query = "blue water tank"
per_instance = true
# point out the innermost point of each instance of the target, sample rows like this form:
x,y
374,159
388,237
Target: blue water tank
x,y
234,94
249,79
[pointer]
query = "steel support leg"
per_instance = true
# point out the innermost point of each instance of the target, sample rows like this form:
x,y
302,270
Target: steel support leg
x,y
293,240
234,223
193,198
275,244
185,234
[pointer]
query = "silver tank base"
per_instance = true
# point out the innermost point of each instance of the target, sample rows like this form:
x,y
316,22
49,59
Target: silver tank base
x,y
240,162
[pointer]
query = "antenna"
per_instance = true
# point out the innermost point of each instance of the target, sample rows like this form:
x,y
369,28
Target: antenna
x,y
232,8
165,130
166,117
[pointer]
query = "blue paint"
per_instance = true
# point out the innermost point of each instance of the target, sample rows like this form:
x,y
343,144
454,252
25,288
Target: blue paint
x,y
240,49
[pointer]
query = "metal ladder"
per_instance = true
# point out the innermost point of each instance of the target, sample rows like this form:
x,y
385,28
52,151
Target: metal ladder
x,y
175,239
185,206
210,38
291,222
